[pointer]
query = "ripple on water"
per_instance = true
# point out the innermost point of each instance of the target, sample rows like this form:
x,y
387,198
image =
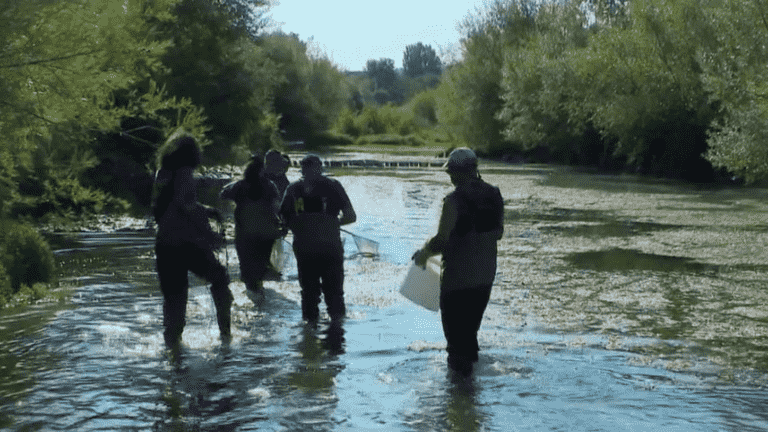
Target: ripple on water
x,y
586,329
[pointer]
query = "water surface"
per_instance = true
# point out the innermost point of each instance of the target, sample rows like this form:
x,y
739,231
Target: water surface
x,y
620,304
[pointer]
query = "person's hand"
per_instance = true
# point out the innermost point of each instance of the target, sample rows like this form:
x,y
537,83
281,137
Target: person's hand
x,y
420,258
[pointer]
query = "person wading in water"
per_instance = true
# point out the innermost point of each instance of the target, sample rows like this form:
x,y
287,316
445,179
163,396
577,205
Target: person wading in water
x,y
276,166
471,224
312,207
257,224
185,241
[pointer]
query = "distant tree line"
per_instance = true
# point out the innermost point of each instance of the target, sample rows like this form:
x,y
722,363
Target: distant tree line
x,y
421,71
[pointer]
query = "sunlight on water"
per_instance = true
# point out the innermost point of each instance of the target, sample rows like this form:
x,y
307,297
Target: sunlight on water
x,y
618,305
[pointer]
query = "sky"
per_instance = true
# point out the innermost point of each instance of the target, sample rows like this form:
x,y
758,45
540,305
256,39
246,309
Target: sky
x,y
350,32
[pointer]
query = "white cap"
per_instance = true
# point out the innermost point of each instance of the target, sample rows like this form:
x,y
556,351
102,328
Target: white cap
x,y
462,159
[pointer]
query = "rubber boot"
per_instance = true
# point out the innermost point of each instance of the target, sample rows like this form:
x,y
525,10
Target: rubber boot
x,y
255,292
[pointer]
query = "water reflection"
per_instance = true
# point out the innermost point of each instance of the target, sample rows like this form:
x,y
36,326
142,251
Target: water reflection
x,y
99,363
198,390
316,371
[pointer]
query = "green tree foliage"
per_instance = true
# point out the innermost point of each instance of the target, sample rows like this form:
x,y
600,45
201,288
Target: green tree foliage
x,y
542,90
208,64
733,72
476,81
406,88
420,59
312,91
657,86
25,256
248,15
382,72
60,67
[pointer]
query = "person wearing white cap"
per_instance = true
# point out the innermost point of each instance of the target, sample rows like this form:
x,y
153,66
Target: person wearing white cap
x,y
471,224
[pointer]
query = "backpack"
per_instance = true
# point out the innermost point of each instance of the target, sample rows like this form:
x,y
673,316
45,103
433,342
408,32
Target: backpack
x,y
257,218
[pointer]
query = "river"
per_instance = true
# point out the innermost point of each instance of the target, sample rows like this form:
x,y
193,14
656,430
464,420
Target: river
x,y
621,303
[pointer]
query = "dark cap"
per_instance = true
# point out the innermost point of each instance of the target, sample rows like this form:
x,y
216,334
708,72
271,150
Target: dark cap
x,y
311,160
274,157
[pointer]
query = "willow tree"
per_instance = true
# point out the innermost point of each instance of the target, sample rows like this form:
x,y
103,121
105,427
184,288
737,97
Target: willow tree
x,y
61,63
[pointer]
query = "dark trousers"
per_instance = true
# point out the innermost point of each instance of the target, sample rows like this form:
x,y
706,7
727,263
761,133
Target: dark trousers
x,y
321,274
462,312
173,263
254,254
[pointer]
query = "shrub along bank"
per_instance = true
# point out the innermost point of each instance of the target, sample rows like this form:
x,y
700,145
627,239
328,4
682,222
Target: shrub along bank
x,y
26,264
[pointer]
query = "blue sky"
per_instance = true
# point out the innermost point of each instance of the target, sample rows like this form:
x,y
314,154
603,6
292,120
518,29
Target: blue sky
x,y
350,32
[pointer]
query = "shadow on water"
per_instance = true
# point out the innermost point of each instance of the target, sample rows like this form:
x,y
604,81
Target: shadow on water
x,y
608,229
622,260
100,363
618,260
563,177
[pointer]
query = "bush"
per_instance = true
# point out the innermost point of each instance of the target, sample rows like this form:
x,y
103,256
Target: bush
x,y
385,120
26,256
389,139
346,123
5,286
370,122
329,138
424,108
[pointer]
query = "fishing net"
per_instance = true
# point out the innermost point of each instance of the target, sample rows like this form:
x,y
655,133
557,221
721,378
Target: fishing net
x,y
365,246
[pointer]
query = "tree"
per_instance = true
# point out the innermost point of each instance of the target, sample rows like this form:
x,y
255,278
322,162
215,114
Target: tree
x,y
312,91
382,72
420,59
248,15
476,81
61,64
211,62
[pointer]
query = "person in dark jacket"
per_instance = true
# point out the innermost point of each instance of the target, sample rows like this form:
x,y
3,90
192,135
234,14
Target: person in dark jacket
x,y
185,241
257,224
471,223
315,207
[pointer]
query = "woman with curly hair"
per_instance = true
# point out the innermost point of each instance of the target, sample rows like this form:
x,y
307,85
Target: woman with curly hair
x,y
185,241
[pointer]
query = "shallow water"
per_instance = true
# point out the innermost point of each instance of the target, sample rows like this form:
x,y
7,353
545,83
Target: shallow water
x,y
620,304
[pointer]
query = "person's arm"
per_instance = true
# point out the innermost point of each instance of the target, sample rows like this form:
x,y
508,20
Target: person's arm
x,y
185,197
436,244
287,211
500,215
348,214
274,196
228,192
